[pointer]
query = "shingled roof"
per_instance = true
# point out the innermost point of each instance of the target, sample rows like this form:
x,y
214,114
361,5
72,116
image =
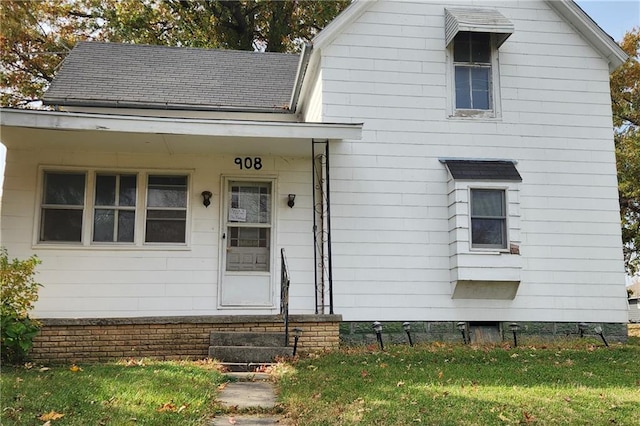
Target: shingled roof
x,y
141,76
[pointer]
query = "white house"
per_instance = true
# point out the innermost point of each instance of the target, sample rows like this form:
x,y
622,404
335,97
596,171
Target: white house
x,y
430,161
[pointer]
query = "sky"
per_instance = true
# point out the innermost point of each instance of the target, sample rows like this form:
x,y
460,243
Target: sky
x,y
616,17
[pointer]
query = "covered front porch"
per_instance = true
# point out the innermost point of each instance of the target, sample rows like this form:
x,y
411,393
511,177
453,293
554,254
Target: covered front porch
x,y
203,232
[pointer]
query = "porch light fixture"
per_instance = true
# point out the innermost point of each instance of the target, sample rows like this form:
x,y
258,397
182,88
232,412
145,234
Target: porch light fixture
x,y
291,200
297,332
206,198
582,327
377,327
600,333
514,327
407,328
462,326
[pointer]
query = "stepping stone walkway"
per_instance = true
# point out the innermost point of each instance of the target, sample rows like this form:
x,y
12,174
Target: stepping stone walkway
x,y
252,390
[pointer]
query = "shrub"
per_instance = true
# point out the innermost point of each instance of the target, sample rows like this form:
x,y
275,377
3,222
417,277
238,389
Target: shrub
x,y
18,292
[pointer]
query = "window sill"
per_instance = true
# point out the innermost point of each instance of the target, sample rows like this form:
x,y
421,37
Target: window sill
x,y
474,115
112,247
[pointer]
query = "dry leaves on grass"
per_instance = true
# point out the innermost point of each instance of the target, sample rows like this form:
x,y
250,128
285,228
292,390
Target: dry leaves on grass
x,y
74,368
171,408
51,415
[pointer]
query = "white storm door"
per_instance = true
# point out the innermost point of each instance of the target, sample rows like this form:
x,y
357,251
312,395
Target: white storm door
x,y
247,261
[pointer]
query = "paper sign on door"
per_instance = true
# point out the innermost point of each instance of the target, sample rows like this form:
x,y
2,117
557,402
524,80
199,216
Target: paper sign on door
x,y
237,215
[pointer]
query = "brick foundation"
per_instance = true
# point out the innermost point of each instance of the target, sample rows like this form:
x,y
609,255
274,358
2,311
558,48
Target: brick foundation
x,y
97,340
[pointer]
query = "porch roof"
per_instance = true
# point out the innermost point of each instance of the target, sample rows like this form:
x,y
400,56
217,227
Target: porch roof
x,y
20,128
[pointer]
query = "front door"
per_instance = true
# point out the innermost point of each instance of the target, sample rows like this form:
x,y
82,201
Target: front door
x,y
247,239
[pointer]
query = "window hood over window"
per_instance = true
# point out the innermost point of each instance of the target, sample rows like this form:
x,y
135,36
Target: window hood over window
x,y
479,21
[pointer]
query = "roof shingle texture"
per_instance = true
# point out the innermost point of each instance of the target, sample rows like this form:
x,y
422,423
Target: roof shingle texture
x,y
144,76
483,170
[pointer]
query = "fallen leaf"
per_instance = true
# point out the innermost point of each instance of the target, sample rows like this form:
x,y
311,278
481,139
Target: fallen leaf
x,y
399,384
440,374
182,408
364,373
43,369
504,418
515,356
48,423
167,407
232,421
52,415
316,395
528,418
75,368
567,399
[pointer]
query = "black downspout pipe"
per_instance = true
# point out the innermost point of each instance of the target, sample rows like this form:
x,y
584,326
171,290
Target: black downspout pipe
x,y
329,231
315,225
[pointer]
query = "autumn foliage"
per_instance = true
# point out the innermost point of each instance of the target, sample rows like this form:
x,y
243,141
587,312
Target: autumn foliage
x,y
625,96
18,292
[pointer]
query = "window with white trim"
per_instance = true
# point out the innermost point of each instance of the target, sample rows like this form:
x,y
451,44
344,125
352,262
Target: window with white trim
x,y
473,37
488,218
62,208
472,71
96,207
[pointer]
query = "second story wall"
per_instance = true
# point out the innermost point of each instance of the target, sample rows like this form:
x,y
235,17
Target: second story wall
x,y
392,70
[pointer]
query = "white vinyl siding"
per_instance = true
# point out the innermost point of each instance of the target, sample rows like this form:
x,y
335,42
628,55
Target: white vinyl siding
x,y
390,207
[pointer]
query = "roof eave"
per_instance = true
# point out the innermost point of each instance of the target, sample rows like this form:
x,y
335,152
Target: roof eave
x,y
103,103
595,35
55,120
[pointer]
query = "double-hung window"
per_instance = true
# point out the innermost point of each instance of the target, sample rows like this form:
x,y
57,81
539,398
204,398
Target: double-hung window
x,y
473,37
472,69
114,214
488,218
62,209
95,207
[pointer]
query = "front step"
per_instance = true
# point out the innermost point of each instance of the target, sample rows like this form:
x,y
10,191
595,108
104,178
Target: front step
x,y
249,354
247,347
239,338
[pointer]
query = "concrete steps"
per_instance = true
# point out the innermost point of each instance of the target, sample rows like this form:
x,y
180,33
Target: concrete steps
x,y
247,347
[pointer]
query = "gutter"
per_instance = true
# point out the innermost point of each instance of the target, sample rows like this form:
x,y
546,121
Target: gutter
x,y
300,74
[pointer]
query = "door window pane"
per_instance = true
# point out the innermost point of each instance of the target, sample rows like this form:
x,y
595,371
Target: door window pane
x,y
250,202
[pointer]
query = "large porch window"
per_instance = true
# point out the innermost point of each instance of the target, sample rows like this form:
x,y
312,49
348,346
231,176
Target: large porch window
x,y
102,207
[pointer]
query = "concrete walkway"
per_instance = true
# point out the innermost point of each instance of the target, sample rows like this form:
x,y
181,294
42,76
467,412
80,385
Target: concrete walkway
x,y
252,390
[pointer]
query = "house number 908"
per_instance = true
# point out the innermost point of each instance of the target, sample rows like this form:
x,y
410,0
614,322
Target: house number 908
x,y
249,162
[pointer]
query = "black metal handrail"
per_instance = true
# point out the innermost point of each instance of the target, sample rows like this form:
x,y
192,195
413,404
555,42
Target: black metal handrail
x,y
284,295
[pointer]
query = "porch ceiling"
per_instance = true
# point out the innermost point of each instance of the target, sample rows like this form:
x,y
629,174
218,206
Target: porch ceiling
x,y
107,133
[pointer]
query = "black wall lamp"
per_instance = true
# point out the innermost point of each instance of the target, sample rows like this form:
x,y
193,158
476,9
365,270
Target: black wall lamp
x,y
291,200
206,198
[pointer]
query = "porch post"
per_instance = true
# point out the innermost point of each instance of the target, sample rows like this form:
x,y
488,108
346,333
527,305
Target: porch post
x,y
322,226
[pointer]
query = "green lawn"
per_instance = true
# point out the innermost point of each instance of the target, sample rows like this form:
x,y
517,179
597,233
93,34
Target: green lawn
x,y
134,393
580,382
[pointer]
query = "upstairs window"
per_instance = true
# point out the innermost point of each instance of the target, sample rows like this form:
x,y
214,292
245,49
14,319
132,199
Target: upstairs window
x,y
472,69
473,37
